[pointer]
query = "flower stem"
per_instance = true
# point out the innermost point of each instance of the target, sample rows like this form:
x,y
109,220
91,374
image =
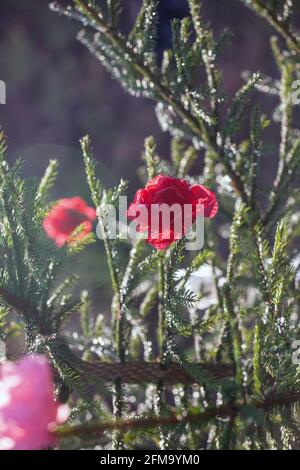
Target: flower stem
x,y
162,340
161,309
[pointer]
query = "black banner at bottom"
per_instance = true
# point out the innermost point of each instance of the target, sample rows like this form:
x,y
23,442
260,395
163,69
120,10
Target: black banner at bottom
x,y
133,459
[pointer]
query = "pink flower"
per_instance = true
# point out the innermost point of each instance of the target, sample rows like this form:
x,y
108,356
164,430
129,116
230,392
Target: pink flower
x,y
169,191
28,410
65,217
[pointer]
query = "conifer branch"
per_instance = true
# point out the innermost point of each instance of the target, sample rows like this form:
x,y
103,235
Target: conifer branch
x,y
24,308
118,307
164,94
224,411
279,25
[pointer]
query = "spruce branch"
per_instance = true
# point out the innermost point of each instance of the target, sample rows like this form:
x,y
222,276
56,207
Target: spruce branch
x,y
23,307
100,197
232,318
286,175
224,411
48,180
259,256
234,335
257,125
90,169
257,358
162,93
114,11
150,158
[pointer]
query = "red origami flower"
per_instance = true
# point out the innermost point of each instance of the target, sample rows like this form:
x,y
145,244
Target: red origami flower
x,y
65,217
169,191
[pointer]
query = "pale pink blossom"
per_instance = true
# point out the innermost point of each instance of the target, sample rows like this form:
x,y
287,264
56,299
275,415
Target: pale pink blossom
x,y
28,410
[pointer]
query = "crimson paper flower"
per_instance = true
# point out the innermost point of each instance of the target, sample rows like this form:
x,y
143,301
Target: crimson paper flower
x,y
66,216
168,190
28,410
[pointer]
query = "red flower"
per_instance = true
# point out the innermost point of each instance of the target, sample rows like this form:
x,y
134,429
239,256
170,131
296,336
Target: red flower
x,y
66,216
169,191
